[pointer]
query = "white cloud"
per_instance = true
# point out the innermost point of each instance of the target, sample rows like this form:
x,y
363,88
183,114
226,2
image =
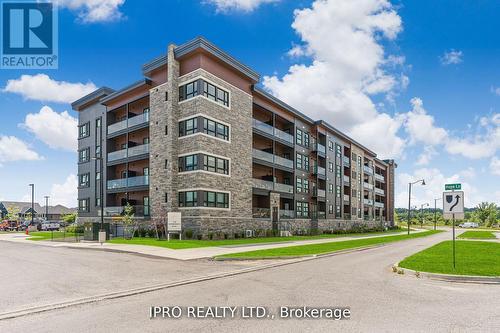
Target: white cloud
x,y
420,126
57,130
434,187
92,11
495,166
42,88
495,90
13,149
426,156
238,5
65,194
452,57
344,40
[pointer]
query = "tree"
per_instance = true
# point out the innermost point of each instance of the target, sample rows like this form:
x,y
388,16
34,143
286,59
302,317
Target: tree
x,y
12,213
484,210
69,218
128,220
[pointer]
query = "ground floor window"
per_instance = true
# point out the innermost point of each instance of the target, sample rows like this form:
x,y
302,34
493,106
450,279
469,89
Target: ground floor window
x,y
302,209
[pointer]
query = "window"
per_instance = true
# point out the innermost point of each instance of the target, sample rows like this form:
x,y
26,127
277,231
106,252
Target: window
x,y
338,171
330,145
302,138
98,151
188,126
302,185
338,151
166,164
188,163
98,122
302,162
338,212
330,209
84,155
306,186
209,127
215,199
188,199
188,91
302,209
337,191
98,202
298,185
83,130
210,91
330,188
306,139
84,180
145,203
330,166
298,137
97,176
306,163
298,161
83,205
215,164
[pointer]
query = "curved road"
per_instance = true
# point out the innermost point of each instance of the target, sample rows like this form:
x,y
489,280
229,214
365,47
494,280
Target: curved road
x,y
380,301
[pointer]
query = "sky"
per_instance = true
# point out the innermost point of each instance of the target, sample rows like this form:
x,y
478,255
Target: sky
x,y
416,81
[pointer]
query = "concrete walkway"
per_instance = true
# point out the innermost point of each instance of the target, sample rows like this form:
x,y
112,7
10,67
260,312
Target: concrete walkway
x,y
183,254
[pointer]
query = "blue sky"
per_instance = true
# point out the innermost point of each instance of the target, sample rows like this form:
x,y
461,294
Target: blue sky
x,y
417,81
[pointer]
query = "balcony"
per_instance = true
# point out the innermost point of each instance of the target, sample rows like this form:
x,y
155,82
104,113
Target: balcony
x,y
268,129
346,199
379,191
128,153
321,214
127,182
128,123
268,185
261,213
368,186
347,180
287,214
368,202
319,170
380,178
320,148
368,170
139,211
263,156
347,161
379,204
316,192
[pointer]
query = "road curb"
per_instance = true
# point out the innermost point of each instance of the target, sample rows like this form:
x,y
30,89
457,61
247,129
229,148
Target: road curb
x,y
452,278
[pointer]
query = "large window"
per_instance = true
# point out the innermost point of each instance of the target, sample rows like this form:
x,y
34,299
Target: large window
x,y
302,162
207,89
302,209
338,151
338,171
302,185
211,199
330,166
84,155
83,205
210,163
302,138
83,180
188,163
84,130
188,126
188,199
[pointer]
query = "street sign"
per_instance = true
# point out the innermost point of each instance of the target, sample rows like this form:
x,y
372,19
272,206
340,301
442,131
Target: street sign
x,y
452,187
174,222
453,204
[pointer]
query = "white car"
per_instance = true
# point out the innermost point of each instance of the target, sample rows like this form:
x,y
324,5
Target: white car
x,y
48,226
468,225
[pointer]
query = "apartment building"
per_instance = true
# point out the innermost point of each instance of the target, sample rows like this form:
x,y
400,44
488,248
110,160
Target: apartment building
x,y
197,135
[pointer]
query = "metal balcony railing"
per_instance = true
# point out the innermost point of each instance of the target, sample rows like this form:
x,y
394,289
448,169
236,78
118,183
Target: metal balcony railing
x,y
127,123
127,182
130,152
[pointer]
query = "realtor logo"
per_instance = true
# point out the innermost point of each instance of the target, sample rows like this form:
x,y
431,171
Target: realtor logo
x,y
29,35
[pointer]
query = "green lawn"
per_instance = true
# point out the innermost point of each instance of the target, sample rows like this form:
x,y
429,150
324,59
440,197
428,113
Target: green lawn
x,y
47,235
305,250
478,235
187,244
472,258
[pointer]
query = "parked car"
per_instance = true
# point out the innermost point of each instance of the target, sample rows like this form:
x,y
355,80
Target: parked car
x,y
49,226
7,225
468,225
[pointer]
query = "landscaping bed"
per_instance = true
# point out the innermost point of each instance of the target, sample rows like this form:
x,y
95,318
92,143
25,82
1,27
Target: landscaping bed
x,y
472,258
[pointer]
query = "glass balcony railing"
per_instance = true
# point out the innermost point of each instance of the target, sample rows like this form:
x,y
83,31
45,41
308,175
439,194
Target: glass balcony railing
x,y
368,170
321,193
262,155
320,148
347,161
120,211
346,198
287,214
261,212
266,128
347,180
379,204
379,177
130,152
283,188
262,184
368,202
130,122
368,186
127,182
321,214
379,191
319,170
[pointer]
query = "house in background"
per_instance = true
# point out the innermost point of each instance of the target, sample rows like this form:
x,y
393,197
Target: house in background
x,y
23,210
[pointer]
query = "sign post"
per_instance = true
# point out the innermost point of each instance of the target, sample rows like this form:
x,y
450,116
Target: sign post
x,y
174,224
453,206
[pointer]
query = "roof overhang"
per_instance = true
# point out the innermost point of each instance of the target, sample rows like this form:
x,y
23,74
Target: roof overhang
x,y
125,90
94,96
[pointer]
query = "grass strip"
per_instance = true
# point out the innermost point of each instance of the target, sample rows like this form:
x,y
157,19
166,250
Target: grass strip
x,y
187,244
45,235
311,249
472,258
477,235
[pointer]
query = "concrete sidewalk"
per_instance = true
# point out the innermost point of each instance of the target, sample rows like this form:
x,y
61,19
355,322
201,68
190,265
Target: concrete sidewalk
x,y
183,254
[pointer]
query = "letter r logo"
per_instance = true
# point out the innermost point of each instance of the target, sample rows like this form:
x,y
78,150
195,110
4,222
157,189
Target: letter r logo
x,y
27,28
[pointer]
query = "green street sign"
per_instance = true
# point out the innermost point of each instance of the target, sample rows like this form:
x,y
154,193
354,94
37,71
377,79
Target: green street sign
x,y
451,187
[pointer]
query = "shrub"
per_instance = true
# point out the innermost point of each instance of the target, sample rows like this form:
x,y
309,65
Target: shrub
x,y
151,233
210,236
142,232
226,236
189,233
199,236
75,228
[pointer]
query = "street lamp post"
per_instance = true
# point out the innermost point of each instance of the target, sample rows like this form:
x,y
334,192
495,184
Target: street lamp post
x,y
422,214
435,209
47,216
32,203
101,198
409,199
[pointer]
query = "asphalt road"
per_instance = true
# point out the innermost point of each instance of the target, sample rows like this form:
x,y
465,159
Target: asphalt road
x,y
379,300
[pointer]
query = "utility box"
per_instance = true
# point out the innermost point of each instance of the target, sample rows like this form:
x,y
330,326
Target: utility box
x,y
91,231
